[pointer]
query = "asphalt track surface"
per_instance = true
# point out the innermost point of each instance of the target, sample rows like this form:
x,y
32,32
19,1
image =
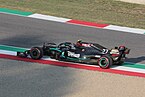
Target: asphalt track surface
x,y
28,32
24,79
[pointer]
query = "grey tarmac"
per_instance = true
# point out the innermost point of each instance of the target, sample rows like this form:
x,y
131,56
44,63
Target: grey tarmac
x,y
25,79
28,32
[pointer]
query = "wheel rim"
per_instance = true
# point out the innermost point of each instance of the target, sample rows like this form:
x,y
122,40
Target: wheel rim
x,y
103,62
35,53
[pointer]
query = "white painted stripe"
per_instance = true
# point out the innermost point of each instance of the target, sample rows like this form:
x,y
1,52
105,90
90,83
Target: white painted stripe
x,y
48,58
50,18
116,68
8,52
125,29
110,27
44,58
129,69
70,62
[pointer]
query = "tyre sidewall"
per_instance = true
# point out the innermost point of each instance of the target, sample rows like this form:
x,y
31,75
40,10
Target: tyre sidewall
x,y
36,53
105,62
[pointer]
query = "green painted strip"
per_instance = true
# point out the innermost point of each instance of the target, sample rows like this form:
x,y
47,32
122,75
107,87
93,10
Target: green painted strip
x,y
134,65
11,48
17,12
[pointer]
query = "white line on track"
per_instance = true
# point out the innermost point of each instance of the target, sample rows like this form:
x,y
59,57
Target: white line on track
x,y
129,69
8,52
50,18
125,29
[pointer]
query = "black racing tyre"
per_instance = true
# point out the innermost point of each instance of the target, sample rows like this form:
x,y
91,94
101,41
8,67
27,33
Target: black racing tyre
x,y
105,62
36,53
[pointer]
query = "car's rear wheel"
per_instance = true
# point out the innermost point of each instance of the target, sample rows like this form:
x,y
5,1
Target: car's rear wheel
x,y
36,53
105,62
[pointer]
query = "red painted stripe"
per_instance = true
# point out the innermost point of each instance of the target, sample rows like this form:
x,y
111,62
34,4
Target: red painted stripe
x,y
87,23
58,63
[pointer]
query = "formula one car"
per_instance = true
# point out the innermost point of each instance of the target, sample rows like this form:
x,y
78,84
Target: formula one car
x,y
84,52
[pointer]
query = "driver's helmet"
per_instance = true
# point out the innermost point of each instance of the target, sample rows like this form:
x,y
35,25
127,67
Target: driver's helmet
x,y
122,48
79,42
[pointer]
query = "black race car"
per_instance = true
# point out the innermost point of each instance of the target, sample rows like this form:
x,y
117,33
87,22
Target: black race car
x,y
84,52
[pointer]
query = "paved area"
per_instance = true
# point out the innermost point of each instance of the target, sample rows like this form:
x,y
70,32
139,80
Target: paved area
x,y
24,79
27,32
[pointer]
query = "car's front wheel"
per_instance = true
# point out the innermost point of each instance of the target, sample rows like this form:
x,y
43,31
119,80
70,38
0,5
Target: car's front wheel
x,y
105,61
36,53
